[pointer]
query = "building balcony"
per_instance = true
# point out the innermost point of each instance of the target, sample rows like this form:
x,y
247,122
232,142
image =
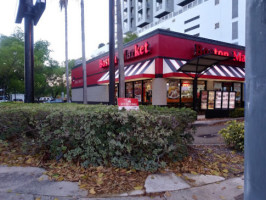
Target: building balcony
x,y
163,8
183,2
143,21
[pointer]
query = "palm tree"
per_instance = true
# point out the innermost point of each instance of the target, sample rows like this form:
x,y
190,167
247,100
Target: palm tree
x,y
120,50
83,53
63,4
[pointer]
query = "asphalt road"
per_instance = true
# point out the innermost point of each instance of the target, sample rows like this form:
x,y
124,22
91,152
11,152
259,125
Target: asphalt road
x,y
209,134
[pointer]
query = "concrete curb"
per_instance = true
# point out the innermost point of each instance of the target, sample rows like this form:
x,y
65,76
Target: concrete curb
x,y
214,121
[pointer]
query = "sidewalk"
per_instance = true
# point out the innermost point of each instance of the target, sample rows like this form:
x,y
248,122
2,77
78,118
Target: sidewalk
x,y
29,183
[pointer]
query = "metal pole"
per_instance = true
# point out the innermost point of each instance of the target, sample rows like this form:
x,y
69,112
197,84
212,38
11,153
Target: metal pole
x,y
66,52
83,54
195,85
255,93
29,56
111,54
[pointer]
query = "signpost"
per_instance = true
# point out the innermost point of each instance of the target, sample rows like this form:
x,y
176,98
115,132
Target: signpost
x,y
31,15
128,103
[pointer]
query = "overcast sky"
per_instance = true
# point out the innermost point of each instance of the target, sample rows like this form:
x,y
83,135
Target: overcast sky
x,y
51,25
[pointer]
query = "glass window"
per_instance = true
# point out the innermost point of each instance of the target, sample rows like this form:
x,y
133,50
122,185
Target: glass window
x,y
186,91
138,90
116,90
201,86
234,30
217,86
234,9
173,91
237,89
228,86
147,91
129,90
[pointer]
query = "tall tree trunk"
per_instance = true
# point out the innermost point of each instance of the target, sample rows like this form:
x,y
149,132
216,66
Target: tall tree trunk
x,y
66,53
83,53
120,50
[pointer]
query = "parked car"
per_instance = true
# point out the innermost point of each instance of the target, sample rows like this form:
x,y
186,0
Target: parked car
x,y
3,99
18,100
55,101
45,99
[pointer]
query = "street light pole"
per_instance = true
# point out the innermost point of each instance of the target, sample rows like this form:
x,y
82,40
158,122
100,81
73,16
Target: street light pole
x,y
111,54
29,56
255,93
31,15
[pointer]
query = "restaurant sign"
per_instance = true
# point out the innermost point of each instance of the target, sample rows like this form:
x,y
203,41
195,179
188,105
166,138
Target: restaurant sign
x,y
137,51
128,103
238,56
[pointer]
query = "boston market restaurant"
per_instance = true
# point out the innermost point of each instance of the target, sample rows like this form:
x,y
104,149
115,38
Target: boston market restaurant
x,y
160,68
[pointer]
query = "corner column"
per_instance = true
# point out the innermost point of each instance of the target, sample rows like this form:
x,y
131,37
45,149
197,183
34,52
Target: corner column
x,y
159,92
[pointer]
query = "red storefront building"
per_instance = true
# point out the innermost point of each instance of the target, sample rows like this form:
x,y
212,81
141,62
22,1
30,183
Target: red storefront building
x,y
161,66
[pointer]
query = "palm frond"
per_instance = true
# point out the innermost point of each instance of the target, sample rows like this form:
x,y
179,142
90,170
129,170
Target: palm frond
x,y
63,3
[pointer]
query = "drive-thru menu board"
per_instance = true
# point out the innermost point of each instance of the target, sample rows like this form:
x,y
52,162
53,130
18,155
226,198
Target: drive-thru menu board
x,y
218,100
225,100
211,100
232,100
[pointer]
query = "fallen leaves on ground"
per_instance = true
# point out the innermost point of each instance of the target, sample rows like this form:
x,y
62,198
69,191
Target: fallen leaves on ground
x,y
212,160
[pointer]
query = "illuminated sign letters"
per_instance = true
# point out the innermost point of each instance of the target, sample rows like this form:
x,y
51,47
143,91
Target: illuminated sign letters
x,y
199,50
129,54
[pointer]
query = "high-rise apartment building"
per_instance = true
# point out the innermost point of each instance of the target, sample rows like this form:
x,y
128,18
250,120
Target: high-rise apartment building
x,y
214,19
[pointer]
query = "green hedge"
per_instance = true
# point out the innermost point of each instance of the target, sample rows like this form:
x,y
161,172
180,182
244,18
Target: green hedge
x,y
99,134
238,112
233,134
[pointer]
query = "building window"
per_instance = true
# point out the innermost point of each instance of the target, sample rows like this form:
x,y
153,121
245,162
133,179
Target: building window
x,y
217,86
216,2
237,89
201,86
227,86
173,91
191,19
192,28
234,8
138,90
217,25
234,30
147,91
129,90
186,91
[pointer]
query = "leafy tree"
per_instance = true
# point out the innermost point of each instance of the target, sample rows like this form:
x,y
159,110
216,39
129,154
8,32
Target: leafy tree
x,y
12,63
129,37
49,77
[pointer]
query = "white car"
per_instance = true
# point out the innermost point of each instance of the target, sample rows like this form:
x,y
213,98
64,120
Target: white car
x,y
3,99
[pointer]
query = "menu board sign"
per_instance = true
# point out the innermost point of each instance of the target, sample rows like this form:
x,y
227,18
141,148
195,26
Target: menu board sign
x,y
211,100
225,100
232,100
218,100
204,97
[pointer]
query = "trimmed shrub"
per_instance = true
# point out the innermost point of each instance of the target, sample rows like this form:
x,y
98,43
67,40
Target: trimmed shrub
x,y
233,135
101,135
238,112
